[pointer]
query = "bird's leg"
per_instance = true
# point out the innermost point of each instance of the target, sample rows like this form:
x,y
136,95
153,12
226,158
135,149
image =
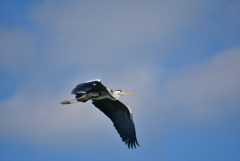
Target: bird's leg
x,y
68,102
79,99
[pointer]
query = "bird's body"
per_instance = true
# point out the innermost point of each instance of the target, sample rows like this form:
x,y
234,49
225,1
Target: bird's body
x,y
106,100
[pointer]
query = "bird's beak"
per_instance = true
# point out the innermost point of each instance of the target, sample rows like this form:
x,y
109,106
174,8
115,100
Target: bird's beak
x,y
127,93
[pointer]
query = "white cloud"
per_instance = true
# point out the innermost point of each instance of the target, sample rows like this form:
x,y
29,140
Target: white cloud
x,y
82,31
208,90
16,48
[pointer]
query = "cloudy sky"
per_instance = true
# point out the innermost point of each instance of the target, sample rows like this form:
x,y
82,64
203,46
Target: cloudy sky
x,y
181,59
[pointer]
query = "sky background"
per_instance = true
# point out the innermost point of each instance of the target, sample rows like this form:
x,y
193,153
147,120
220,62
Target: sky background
x,y
181,59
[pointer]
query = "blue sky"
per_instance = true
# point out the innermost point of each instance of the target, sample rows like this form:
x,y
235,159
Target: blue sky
x,y
181,59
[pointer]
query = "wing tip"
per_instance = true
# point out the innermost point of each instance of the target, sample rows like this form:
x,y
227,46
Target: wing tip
x,y
132,144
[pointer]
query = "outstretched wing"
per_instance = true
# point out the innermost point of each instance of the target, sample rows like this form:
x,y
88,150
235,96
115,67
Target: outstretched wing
x,y
87,86
92,86
121,117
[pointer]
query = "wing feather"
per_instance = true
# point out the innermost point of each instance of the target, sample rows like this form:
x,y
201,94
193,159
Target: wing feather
x,y
85,87
121,118
92,86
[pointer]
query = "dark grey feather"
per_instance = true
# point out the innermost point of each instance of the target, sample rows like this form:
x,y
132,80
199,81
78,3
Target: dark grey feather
x,y
85,87
121,118
92,86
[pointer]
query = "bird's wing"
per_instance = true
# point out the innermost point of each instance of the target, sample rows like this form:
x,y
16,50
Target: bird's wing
x,y
88,86
121,117
92,86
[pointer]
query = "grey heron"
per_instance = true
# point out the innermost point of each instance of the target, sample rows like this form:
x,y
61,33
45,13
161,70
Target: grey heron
x,y
106,100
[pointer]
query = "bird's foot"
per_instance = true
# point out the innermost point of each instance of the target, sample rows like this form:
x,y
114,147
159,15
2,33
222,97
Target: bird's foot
x,y
68,102
65,102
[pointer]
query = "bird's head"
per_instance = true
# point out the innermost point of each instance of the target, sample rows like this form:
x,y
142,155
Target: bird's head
x,y
120,92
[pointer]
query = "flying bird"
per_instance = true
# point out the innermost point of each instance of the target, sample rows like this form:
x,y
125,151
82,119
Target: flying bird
x,y
106,100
